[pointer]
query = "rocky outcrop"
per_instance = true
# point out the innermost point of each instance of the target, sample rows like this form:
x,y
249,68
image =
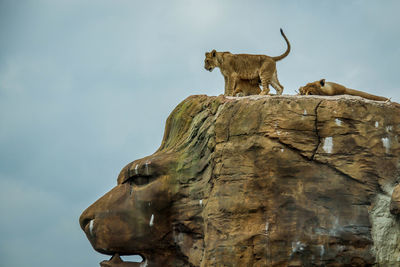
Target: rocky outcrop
x,y
261,181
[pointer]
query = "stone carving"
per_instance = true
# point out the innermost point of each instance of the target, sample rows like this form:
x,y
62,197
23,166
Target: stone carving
x,y
116,261
395,201
259,181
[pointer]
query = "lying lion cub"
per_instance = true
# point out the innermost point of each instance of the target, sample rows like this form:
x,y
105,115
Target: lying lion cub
x,y
329,88
236,67
247,87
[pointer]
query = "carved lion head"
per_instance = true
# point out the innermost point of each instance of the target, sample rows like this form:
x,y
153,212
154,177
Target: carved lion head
x,y
144,213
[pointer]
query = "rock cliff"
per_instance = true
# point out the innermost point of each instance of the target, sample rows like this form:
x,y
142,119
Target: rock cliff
x,y
261,181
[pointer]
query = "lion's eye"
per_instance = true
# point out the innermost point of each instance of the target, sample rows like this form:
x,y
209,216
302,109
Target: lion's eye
x,y
139,174
139,180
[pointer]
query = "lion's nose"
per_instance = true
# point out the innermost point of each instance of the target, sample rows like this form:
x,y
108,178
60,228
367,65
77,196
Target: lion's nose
x,y
110,201
85,219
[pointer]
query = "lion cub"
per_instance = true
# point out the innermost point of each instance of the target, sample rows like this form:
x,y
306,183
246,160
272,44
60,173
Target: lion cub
x,y
235,67
329,88
247,87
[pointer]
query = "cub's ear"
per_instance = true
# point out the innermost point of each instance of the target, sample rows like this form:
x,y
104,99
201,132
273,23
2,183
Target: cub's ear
x,y
213,53
322,82
207,53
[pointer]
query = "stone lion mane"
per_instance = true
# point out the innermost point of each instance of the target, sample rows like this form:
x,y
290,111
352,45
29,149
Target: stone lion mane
x,y
322,87
254,68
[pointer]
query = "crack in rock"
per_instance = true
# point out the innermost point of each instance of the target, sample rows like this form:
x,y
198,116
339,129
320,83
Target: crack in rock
x,y
316,130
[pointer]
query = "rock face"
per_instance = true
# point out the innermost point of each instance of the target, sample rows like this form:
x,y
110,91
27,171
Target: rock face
x,y
260,181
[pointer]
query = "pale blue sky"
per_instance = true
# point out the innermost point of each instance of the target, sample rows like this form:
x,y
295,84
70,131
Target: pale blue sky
x,y
86,86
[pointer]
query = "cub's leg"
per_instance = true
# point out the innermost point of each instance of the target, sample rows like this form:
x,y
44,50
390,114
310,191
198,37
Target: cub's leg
x,y
238,91
229,90
265,90
231,84
275,83
226,86
265,81
265,73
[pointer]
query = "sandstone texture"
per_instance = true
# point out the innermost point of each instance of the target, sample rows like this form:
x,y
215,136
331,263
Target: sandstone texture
x,y
260,181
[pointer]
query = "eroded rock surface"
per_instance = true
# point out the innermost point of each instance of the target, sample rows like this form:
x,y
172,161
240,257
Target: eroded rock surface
x,y
260,181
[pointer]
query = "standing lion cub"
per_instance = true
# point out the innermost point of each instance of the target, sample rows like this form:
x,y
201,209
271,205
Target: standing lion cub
x,y
235,67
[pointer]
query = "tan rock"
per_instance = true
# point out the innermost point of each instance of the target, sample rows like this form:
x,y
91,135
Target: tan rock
x,y
260,181
395,201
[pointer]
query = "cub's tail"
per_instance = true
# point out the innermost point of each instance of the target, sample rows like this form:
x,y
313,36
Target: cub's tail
x,y
287,50
365,95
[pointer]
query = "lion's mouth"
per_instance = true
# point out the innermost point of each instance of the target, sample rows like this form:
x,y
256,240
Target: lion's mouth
x,y
116,261
89,227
